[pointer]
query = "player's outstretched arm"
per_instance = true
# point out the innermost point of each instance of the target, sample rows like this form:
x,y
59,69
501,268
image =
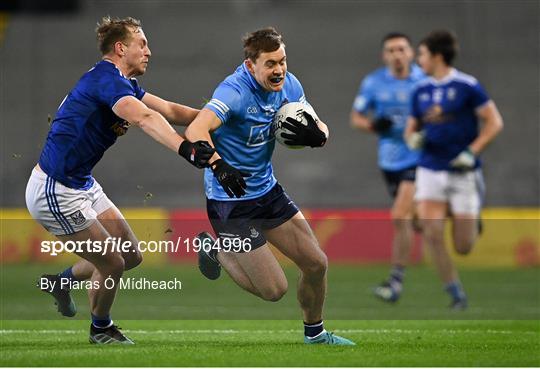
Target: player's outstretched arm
x,y
199,130
492,126
231,179
152,123
175,113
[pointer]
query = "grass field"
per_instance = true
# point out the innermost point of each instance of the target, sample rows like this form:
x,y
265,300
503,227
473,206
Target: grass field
x,y
276,343
214,323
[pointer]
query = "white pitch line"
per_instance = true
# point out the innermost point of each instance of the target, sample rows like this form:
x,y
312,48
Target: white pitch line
x,y
234,331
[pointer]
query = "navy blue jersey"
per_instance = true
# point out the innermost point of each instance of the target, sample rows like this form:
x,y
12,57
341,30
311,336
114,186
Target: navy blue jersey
x,y
85,125
446,110
388,96
245,139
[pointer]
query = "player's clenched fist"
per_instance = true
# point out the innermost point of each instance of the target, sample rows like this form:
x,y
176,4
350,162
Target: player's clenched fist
x,y
465,160
196,153
230,178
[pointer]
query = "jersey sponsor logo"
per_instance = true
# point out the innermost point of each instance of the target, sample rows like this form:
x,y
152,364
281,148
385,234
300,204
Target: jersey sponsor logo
x,y
402,96
384,96
435,114
398,115
77,217
259,135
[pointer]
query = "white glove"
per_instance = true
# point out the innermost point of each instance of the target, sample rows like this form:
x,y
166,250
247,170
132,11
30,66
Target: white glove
x,y
416,140
465,160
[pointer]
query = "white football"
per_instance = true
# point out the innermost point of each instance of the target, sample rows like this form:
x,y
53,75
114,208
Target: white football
x,y
294,110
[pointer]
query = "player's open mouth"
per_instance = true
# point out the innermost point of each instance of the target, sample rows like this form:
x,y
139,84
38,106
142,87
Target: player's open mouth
x,y
276,80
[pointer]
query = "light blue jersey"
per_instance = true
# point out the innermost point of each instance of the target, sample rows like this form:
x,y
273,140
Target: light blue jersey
x,y
387,96
245,139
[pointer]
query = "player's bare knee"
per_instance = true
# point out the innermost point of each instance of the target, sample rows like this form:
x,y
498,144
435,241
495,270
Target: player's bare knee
x,y
133,260
114,266
275,293
463,246
316,266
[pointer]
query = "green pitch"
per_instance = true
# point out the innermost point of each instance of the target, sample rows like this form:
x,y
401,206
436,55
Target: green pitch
x,y
276,343
213,323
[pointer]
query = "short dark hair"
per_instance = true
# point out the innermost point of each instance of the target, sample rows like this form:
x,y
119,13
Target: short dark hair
x,y
111,30
392,35
442,42
263,40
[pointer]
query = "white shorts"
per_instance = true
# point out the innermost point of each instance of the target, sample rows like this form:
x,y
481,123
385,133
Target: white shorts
x,y
62,210
463,191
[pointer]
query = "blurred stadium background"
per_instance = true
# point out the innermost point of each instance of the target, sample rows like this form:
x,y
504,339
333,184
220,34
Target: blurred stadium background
x,y
46,46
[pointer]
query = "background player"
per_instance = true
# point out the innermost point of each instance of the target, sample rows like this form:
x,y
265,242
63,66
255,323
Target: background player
x,y
244,199
62,194
386,93
447,108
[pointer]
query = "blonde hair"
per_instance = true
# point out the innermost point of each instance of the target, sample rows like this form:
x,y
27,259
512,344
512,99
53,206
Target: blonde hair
x,y
111,30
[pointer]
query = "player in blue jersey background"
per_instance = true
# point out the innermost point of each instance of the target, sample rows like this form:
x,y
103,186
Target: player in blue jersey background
x,y
63,195
244,200
382,106
446,112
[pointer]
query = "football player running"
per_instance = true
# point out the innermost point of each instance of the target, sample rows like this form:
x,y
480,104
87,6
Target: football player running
x,y
445,115
386,94
244,199
63,196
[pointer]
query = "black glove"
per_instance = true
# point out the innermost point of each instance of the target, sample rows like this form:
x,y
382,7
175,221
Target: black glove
x,y
230,178
309,135
381,124
197,153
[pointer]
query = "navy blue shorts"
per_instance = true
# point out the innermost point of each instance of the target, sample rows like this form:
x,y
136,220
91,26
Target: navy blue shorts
x,y
248,218
394,177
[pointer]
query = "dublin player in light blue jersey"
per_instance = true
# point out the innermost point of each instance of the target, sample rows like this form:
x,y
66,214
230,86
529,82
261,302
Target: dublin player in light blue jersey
x,y
63,195
382,106
446,111
244,200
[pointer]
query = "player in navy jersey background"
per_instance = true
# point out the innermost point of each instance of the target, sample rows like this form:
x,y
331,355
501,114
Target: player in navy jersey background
x,y
382,106
244,199
446,111
62,194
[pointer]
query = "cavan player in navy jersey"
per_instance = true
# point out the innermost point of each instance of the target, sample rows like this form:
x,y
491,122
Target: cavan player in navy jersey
x,y
244,200
446,110
386,94
63,196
